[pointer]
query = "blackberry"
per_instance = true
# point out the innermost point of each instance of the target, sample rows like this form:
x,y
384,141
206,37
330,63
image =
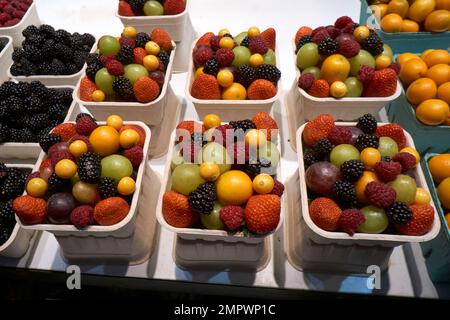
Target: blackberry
x,y
137,6
11,187
57,184
245,75
322,148
22,90
202,199
71,68
28,68
66,95
5,233
47,30
164,57
268,72
16,106
245,125
16,70
45,68
309,158
49,140
14,135
4,133
7,89
7,214
367,123
256,166
227,35
107,188
352,170
38,89
29,31
366,140
399,213
125,55
33,104
63,36
123,87
49,48
344,193
245,42
303,40
57,67
76,41
32,53
35,40
327,47
88,39
39,121
373,44
141,39
89,167
3,110
93,58
211,67
25,135
18,54
3,170
91,70
79,58
57,112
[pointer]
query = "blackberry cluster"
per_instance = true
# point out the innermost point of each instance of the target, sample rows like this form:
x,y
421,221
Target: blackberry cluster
x,y
327,47
164,57
50,52
309,158
123,87
202,199
89,167
245,75
7,214
256,166
367,123
322,148
399,213
373,44
367,140
244,125
137,6
303,40
268,72
125,55
211,67
93,65
344,193
107,187
141,39
56,183
26,109
352,170
245,42
3,42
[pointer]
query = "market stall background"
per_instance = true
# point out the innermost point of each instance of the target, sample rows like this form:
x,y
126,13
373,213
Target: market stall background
x,y
406,276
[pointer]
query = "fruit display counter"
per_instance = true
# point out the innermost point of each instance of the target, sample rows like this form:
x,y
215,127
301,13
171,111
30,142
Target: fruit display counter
x,y
193,257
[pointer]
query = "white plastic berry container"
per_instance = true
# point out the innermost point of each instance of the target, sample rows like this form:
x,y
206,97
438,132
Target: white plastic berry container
x,y
31,150
204,234
19,241
150,113
15,32
174,24
310,247
229,110
5,58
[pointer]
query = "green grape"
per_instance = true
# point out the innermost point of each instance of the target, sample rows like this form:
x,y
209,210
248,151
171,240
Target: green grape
x,y
308,56
186,178
376,220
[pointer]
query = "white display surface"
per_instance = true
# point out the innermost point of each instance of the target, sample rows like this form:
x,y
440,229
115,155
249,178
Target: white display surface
x,y
407,274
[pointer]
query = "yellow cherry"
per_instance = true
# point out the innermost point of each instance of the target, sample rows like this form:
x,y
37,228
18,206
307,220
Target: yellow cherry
x,y
128,138
78,147
126,186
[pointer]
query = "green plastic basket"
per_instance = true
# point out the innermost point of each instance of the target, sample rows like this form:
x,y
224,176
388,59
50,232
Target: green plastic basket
x,y
436,251
405,41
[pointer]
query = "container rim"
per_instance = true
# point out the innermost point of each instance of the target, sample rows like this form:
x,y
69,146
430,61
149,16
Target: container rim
x,y
8,44
155,18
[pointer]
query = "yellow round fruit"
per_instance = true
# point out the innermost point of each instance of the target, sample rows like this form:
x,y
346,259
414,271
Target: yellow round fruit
x,y
370,157
226,42
433,112
361,33
263,183
443,191
420,90
78,147
225,78
399,7
223,32
151,62
98,96
338,89
420,9
234,187
37,187
65,169
234,92
199,71
438,21
410,26
439,73
255,138
335,68
443,92
391,22
211,121
129,32
209,171
382,62
256,60
128,138
360,187
422,196
253,32
440,167
437,56
403,57
126,186
425,53
413,152
105,140
152,47
114,121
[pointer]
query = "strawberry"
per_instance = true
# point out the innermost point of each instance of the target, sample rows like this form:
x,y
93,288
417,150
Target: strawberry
x,y
270,36
393,131
65,131
30,210
139,54
125,9
162,38
205,87
205,40
264,121
317,128
87,87
382,84
319,88
325,213
47,163
421,222
302,31
111,211
146,89
262,213
172,7
261,89
176,210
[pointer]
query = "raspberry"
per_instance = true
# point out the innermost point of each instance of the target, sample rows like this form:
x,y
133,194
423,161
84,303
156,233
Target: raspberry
x,y
85,125
124,41
350,220
349,48
379,194
320,35
202,54
224,57
339,135
406,160
82,216
278,188
341,22
333,31
114,68
232,217
204,40
387,170
104,59
365,74
135,155
349,28
305,81
258,45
